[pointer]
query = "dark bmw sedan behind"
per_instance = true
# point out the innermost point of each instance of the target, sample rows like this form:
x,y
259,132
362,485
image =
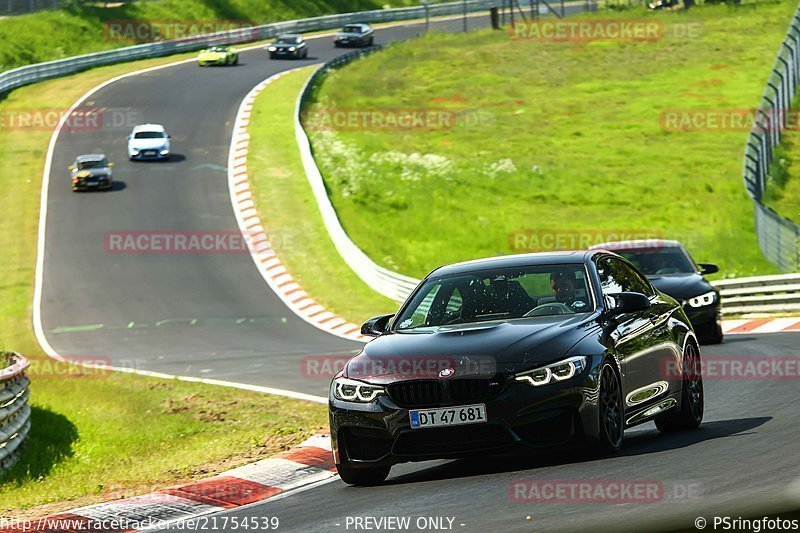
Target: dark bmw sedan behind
x,y
672,270
517,352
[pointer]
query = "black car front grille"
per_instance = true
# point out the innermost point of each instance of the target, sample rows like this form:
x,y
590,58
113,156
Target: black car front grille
x,y
432,393
417,393
472,390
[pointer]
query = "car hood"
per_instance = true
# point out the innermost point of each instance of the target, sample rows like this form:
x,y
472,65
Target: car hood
x,y
682,286
213,55
285,45
348,35
148,144
93,173
471,349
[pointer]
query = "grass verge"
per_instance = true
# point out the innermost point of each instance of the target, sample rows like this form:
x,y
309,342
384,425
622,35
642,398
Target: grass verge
x,y
289,211
551,140
97,436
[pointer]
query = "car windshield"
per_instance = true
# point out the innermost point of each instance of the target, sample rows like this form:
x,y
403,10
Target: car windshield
x,y
659,261
149,135
498,294
95,163
287,40
216,49
352,29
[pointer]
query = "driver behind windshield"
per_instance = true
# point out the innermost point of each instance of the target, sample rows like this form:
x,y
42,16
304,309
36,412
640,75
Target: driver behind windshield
x,y
563,285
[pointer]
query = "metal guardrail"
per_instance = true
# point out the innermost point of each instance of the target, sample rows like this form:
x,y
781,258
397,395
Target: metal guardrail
x,y
21,7
14,409
768,295
18,77
778,237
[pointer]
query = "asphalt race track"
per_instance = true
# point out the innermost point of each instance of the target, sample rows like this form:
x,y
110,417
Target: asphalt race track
x,y
214,316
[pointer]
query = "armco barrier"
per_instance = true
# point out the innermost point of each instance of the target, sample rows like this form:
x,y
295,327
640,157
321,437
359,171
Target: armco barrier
x,y
14,410
778,237
18,77
768,295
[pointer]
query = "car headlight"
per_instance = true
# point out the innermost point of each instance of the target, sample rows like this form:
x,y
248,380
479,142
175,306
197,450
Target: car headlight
x,y
703,300
272,48
164,151
292,48
135,151
561,371
351,390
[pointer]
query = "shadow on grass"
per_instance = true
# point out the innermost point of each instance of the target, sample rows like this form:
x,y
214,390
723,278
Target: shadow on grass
x,y
49,442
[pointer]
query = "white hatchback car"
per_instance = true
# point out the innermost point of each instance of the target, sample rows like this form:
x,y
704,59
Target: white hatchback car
x,y
148,141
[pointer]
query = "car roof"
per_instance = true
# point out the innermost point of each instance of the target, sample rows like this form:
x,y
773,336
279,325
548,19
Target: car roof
x,y
361,24
148,127
289,36
636,244
576,257
83,158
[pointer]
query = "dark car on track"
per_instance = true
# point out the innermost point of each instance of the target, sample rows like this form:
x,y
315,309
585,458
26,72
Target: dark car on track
x,y
290,45
672,270
90,172
355,35
515,352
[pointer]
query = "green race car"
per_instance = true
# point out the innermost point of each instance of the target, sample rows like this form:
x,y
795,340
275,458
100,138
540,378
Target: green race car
x,y
218,55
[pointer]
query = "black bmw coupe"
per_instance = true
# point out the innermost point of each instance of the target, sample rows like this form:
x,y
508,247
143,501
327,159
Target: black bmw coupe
x,y
522,351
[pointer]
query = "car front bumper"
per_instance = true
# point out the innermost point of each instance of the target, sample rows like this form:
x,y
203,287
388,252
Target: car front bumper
x,y
99,185
353,43
706,321
148,155
520,416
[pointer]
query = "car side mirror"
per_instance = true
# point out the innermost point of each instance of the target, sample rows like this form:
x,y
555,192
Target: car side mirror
x,y
376,326
626,302
71,167
708,268
110,165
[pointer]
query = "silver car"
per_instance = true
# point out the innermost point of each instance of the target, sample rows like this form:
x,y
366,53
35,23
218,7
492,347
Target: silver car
x,y
148,141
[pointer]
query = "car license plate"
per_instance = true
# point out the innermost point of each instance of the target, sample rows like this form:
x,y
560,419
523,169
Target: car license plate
x,y
448,416
91,183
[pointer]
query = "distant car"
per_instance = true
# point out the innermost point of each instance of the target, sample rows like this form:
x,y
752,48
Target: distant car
x,y
91,172
673,271
355,35
148,141
290,45
218,55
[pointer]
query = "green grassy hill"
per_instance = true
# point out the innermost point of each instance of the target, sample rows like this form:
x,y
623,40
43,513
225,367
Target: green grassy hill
x,y
552,141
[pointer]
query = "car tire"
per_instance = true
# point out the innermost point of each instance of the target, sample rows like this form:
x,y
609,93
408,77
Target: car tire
x,y
236,61
371,41
272,56
692,396
364,477
610,411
